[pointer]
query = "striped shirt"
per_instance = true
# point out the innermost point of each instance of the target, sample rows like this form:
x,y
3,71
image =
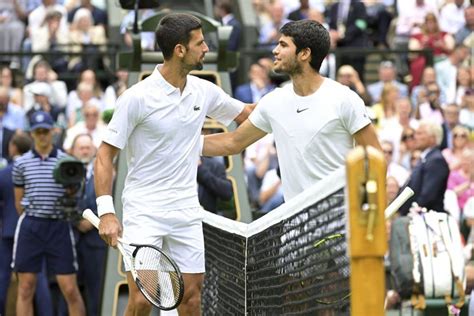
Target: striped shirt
x,y
41,192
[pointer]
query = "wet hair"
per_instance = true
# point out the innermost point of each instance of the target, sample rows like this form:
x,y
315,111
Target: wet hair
x,y
174,29
309,34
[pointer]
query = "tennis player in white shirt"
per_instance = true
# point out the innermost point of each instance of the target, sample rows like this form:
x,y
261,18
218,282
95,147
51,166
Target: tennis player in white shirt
x,y
158,123
314,119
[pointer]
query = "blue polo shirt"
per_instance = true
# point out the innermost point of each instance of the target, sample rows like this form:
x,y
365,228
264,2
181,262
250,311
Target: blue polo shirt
x,y
41,192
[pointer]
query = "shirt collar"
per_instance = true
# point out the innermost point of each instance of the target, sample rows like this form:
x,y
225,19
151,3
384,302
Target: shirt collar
x,y
226,19
165,85
52,154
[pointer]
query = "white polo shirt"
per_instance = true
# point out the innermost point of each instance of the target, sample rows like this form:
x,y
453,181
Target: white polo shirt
x,y
313,134
160,129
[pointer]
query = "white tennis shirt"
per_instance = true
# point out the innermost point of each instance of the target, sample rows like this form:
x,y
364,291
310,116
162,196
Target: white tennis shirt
x,y
313,134
159,127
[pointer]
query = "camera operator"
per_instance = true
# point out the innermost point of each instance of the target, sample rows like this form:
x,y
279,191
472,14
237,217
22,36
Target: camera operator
x,y
91,249
41,229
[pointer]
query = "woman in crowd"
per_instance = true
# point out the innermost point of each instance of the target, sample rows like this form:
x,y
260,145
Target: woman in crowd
x,y
386,108
460,142
7,80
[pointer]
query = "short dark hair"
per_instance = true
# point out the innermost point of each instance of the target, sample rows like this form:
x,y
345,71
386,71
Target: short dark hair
x,y
309,34
174,29
22,142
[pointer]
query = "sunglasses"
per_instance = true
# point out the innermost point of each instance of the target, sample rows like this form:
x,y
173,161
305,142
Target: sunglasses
x,y
460,136
389,152
407,137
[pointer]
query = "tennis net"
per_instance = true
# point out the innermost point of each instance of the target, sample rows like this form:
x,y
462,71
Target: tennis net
x,y
291,261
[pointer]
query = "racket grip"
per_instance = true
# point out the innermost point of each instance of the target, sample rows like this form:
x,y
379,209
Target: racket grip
x,y
91,217
399,200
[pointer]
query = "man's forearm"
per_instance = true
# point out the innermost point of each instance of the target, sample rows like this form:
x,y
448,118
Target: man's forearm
x,y
103,175
218,145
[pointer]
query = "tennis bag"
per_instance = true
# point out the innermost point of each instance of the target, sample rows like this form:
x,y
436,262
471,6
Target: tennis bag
x,y
426,258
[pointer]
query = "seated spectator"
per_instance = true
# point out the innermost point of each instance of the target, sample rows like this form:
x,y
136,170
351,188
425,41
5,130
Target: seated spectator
x,y
271,192
347,76
49,37
460,179
42,72
85,95
113,91
430,106
257,87
451,120
12,28
385,109
74,101
91,125
460,140
269,33
407,147
301,13
464,82
378,22
430,37
451,16
393,168
465,33
7,80
99,16
386,74
428,77
446,71
466,114
88,38
11,116
37,16
392,189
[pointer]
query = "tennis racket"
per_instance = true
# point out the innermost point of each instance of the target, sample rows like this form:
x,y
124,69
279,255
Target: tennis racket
x,y
154,272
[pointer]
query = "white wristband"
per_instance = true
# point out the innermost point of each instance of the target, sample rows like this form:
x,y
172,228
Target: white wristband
x,y
201,144
105,205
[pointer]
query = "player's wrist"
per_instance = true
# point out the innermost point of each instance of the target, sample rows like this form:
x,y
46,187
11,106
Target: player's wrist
x,y
105,205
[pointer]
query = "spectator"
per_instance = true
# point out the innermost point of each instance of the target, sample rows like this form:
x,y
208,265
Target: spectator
x,y
258,86
224,11
270,32
393,168
460,180
271,192
113,91
49,37
464,35
42,233
91,125
7,80
348,25
430,37
428,77
85,96
348,76
460,140
451,16
301,13
378,22
42,72
407,148
466,114
11,116
6,135
387,74
18,145
99,16
385,109
430,106
451,120
392,189
37,16
88,38
463,83
91,249
429,177
12,28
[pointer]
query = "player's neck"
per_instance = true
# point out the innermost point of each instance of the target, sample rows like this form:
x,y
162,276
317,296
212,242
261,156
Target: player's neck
x,y
305,84
174,75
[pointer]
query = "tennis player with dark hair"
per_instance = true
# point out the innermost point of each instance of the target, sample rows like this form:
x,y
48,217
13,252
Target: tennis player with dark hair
x,y
314,120
158,122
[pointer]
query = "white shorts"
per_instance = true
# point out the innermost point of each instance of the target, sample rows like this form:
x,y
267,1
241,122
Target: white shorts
x,y
178,233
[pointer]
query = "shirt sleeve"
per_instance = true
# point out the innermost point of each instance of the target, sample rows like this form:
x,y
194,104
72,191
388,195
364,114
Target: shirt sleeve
x,y
259,116
17,174
222,107
354,113
127,115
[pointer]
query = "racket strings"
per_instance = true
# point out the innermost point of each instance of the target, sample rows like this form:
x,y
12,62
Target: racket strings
x,y
157,277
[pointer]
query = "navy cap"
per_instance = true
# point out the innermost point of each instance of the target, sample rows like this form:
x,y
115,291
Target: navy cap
x,y
41,119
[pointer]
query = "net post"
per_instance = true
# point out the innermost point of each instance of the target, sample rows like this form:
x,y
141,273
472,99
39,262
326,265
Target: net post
x,y
366,174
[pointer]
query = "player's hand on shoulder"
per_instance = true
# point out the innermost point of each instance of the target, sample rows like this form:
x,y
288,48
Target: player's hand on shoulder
x,y
110,229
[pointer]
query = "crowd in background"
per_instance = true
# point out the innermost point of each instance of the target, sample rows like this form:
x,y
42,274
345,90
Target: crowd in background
x,y
407,89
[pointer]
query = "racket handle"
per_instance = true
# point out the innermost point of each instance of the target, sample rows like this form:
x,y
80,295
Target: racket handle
x,y
399,200
91,217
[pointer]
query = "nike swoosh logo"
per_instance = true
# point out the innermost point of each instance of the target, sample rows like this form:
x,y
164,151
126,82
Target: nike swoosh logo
x,y
197,108
301,110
